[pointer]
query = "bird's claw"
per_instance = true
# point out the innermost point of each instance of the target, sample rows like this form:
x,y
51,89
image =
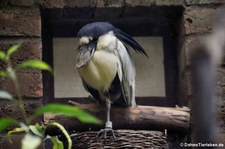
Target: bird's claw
x,y
104,132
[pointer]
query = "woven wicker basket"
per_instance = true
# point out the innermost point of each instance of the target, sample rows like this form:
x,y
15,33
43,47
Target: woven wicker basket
x,y
124,139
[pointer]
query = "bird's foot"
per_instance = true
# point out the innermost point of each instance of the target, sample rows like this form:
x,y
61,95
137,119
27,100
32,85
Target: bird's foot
x,y
104,133
107,130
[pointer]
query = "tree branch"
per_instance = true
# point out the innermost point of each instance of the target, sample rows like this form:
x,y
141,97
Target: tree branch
x,y
137,118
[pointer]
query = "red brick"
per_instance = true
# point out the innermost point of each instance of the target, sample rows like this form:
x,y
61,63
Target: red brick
x,y
221,82
52,3
110,3
80,3
20,22
9,109
30,49
169,2
199,19
136,3
201,2
17,2
30,84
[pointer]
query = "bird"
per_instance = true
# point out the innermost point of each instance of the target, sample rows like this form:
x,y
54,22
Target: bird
x,y
105,66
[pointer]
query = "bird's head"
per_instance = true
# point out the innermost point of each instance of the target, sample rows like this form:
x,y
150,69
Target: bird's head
x,y
88,37
86,51
90,34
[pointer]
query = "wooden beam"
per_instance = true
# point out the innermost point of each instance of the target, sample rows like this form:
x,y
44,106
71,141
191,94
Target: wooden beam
x,y
136,118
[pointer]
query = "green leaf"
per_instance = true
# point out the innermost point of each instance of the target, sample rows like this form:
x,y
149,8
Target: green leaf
x,y
3,74
68,110
11,73
15,130
57,144
31,141
37,64
64,132
5,95
6,122
12,50
37,129
2,56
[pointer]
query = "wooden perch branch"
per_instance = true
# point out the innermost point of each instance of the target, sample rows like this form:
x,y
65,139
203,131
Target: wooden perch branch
x,y
137,118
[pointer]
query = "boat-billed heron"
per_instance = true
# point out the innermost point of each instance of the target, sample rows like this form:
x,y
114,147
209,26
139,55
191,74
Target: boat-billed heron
x,y
105,66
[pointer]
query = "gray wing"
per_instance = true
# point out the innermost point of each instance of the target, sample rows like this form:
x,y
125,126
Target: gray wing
x,y
127,74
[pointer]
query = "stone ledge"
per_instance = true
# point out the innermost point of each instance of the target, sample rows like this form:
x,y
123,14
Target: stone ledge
x,y
106,3
169,2
52,3
203,2
68,3
138,3
148,3
110,3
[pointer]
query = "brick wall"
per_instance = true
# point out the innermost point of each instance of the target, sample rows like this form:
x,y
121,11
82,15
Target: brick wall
x,y
198,21
199,18
20,22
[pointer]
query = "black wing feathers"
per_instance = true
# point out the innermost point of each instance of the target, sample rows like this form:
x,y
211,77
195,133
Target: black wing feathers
x,y
91,90
130,41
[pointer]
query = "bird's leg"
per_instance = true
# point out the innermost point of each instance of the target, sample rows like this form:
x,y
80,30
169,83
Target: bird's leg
x,y
108,124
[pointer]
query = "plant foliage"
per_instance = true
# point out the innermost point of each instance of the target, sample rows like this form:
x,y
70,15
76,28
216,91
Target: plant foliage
x,y
35,134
